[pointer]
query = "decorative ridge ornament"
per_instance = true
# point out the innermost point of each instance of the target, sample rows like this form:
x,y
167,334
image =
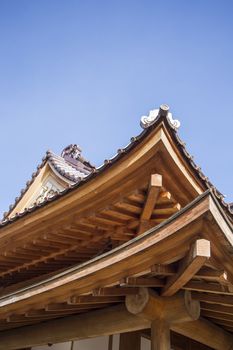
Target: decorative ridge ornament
x,y
73,151
155,114
72,155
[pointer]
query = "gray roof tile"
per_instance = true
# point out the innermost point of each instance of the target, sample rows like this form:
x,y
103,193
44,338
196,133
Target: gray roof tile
x,y
70,166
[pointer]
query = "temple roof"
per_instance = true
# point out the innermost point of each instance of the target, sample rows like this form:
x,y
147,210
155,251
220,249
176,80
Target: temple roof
x,y
70,166
77,170
147,217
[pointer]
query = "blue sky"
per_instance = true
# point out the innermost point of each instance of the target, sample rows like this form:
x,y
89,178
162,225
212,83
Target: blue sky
x,y
85,72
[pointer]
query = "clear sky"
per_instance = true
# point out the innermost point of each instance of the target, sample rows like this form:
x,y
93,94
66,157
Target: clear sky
x,y
84,72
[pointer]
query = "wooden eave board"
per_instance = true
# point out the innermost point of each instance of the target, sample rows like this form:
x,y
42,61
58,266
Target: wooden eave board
x,y
154,247
104,188
146,145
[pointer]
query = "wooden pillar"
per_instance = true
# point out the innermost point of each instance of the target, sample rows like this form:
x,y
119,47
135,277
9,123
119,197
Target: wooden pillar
x,y
130,341
160,335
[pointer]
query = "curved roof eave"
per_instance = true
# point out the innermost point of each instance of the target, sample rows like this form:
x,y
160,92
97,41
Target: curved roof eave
x,y
195,210
162,118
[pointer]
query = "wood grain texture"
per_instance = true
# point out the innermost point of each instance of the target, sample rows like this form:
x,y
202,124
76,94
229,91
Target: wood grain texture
x,y
188,267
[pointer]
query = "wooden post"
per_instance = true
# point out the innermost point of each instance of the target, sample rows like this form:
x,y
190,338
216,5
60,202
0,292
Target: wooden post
x,y
160,335
130,341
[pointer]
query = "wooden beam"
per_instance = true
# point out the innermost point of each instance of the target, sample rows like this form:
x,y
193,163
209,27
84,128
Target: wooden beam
x,y
226,300
228,310
154,189
221,322
155,186
23,318
205,273
115,291
209,274
163,270
217,315
89,299
165,196
70,307
178,308
142,282
113,320
166,209
195,259
214,288
130,341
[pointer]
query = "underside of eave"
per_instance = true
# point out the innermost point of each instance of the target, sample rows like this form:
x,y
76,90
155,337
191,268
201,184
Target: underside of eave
x,y
163,245
173,229
153,143
119,254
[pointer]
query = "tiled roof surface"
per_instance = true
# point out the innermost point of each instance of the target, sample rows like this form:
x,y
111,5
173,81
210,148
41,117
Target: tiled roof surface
x,y
71,169
66,169
120,153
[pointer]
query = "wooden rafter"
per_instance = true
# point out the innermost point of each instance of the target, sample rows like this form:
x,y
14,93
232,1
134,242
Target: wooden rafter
x,y
89,299
226,300
115,291
228,310
208,287
142,282
138,258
